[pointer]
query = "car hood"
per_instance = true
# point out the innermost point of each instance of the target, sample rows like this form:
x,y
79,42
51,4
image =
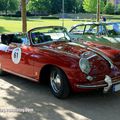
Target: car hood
x,y
76,49
113,42
66,47
112,53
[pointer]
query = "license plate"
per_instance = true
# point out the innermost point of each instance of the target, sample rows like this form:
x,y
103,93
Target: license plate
x,y
116,87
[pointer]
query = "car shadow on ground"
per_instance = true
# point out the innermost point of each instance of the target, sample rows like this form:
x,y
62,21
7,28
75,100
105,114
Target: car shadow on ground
x,y
22,93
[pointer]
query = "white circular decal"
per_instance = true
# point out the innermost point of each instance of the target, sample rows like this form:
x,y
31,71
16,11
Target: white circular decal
x,y
16,55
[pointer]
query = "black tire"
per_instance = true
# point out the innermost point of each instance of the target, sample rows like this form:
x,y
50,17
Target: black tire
x,y
59,85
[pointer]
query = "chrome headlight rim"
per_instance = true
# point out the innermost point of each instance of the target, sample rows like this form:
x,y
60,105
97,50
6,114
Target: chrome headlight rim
x,y
84,65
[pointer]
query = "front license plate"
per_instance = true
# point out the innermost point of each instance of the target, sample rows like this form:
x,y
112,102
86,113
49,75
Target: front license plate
x,y
116,87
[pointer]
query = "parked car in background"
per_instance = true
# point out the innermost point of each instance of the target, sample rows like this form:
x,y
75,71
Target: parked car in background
x,y
106,33
46,54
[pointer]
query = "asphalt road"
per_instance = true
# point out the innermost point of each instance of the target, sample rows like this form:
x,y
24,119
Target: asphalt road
x,y
17,93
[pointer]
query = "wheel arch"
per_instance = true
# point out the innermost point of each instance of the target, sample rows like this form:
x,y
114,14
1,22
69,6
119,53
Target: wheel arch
x,y
45,72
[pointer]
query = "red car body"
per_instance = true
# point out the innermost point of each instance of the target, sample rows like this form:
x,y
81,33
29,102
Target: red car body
x,y
40,61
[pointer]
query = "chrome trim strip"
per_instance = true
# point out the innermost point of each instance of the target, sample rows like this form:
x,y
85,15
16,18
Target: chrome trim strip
x,y
23,76
91,86
95,86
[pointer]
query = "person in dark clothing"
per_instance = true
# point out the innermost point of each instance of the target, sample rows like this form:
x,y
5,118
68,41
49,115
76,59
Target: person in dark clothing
x,y
103,19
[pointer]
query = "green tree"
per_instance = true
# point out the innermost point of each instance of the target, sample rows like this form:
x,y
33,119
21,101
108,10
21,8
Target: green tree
x,y
56,6
13,5
105,1
91,6
2,5
109,8
79,6
51,6
69,6
9,5
118,9
39,5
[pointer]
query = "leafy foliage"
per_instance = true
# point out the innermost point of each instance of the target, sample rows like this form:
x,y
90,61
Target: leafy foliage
x,y
78,6
51,6
45,7
56,6
9,5
91,6
39,5
118,9
109,8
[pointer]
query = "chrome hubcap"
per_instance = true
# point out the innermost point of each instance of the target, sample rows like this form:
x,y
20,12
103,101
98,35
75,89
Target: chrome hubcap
x,y
55,81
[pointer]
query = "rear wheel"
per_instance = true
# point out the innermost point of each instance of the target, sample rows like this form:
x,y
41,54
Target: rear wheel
x,y
59,83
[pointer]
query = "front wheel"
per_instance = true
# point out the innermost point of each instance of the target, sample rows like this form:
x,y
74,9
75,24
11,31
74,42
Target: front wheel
x,y
59,83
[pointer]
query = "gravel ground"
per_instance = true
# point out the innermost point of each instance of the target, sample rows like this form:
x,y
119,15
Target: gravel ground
x,y
21,99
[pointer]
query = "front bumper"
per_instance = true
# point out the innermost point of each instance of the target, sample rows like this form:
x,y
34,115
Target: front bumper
x,y
106,84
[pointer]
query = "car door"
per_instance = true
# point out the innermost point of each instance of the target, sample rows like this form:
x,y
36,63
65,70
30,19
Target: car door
x,y
17,58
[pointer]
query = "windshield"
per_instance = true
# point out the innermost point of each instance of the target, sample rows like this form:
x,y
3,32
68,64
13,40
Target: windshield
x,y
103,33
48,34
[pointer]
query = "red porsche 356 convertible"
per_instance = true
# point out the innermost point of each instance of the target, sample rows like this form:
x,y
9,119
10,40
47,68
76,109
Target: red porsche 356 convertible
x,y
46,54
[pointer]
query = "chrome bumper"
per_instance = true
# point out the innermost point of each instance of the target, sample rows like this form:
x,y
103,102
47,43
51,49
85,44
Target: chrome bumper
x,y
106,86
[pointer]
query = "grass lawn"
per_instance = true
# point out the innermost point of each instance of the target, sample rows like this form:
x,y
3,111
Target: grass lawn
x,y
8,24
15,25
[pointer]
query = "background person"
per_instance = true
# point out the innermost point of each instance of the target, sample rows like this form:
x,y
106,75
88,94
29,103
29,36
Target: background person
x,y
103,19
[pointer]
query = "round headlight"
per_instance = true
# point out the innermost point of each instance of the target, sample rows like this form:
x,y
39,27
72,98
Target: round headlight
x,y
84,65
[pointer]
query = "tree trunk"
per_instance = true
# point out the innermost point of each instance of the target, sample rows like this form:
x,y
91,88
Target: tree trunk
x,y
98,10
23,14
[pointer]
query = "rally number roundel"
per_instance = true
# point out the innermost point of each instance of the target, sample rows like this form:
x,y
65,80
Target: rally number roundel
x,y
16,55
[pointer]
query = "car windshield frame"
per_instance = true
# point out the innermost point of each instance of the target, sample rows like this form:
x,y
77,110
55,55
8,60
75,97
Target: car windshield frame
x,y
101,25
107,39
57,31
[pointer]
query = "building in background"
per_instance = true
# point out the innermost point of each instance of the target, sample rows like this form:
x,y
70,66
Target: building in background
x,y
115,3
